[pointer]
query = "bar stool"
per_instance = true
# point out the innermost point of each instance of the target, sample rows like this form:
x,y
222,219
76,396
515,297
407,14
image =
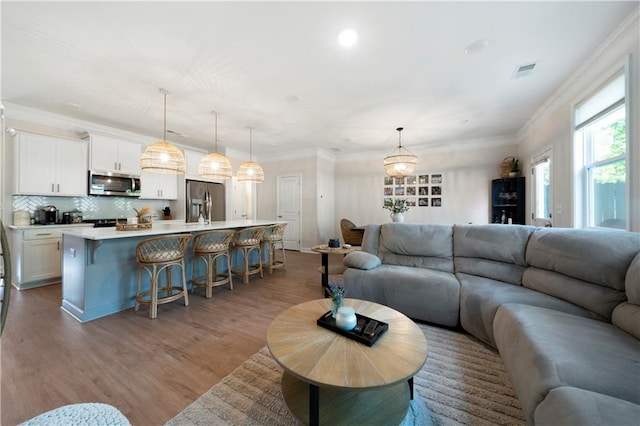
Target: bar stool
x,y
209,246
155,255
245,241
272,236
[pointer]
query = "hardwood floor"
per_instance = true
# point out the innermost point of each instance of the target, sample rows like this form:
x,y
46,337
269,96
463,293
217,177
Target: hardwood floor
x,y
149,369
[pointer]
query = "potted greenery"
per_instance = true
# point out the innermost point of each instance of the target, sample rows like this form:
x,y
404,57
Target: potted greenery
x,y
397,208
515,168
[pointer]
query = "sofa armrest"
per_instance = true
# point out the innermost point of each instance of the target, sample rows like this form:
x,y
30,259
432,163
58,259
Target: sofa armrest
x,y
361,260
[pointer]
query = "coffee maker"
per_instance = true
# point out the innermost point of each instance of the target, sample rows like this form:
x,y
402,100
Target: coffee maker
x,y
47,215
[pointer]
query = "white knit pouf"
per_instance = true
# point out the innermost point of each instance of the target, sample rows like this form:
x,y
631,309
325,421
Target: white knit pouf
x,y
86,414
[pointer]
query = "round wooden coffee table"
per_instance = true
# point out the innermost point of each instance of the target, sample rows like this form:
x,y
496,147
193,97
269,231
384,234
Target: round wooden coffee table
x,y
329,378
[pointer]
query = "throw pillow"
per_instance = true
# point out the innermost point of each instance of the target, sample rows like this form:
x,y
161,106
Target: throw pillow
x,y
361,260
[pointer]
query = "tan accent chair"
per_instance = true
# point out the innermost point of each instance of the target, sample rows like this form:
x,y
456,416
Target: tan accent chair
x,y
208,247
245,241
5,277
349,234
272,236
155,255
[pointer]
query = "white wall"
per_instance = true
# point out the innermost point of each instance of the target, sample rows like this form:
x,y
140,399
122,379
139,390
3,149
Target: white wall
x,y
465,196
552,125
327,226
267,194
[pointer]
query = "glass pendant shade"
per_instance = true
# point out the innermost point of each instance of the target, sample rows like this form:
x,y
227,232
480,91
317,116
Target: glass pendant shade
x,y
401,162
162,156
250,171
214,165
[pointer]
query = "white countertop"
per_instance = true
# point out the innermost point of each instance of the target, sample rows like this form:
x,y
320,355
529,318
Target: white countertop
x,y
57,226
160,228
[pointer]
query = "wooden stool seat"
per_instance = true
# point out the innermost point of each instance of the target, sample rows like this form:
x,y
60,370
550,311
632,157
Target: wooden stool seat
x,y
245,241
208,247
273,235
155,255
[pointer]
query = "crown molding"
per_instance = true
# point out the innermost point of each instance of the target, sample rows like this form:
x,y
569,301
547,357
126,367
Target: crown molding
x,y
628,26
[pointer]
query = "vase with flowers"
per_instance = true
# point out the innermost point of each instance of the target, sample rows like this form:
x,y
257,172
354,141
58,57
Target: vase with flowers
x,y
337,292
397,208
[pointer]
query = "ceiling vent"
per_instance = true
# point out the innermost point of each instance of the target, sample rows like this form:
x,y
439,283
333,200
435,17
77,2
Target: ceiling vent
x,y
524,70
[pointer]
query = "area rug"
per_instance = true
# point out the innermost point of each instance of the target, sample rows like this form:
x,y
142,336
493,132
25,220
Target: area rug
x,y
463,382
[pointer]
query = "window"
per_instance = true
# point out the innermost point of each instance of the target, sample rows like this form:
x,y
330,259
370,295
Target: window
x,y
541,182
600,142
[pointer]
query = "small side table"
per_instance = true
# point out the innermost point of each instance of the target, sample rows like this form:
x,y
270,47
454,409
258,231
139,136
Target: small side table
x,y
326,251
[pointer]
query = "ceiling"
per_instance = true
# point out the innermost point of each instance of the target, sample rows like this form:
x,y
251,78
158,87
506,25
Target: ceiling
x,y
278,67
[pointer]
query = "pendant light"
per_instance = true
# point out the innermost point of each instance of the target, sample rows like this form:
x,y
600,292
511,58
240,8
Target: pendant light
x,y
250,171
401,162
214,165
162,156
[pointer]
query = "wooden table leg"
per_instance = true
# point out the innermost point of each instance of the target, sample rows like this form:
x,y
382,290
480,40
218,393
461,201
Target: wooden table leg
x,y
410,388
325,273
314,405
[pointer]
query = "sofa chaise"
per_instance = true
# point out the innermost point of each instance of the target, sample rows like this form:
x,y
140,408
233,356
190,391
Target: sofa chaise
x,y
561,306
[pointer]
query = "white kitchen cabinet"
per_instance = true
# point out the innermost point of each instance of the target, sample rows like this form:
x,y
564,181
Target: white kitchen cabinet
x,y
192,158
48,165
157,186
36,257
115,155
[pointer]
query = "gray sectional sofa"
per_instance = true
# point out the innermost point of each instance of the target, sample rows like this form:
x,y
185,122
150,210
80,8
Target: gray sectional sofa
x,y
562,306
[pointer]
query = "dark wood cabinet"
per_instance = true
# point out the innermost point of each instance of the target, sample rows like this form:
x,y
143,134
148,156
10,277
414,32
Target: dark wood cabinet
x,y
507,200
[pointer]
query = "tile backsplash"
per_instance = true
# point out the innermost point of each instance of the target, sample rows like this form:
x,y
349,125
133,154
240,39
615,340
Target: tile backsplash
x,y
91,207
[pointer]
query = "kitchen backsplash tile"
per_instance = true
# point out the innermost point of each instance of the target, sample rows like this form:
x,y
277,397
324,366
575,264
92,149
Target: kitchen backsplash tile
x,y
91,207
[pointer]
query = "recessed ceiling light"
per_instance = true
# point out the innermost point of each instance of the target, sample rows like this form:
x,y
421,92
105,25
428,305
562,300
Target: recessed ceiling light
x,y
476,46
348,37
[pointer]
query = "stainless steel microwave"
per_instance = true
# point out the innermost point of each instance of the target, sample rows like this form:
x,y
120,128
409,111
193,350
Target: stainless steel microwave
x,y
114,184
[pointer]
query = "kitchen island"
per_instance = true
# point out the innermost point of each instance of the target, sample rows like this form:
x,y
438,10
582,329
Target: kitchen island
x,y
99,267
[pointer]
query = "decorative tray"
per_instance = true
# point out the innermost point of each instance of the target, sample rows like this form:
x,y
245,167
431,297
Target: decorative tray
x,y
328,322
133,227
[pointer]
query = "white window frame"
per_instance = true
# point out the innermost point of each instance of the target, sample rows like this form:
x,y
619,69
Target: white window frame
x,y
581,192
545,156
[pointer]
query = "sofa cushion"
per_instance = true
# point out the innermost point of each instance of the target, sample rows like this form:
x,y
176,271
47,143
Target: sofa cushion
x,y
481,297
491,251
544,349
361,260
417,245
627,315
423,294
584,267
632,281
371,238
579,407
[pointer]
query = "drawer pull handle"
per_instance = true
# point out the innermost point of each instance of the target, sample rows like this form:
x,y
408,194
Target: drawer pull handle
x,y
49,233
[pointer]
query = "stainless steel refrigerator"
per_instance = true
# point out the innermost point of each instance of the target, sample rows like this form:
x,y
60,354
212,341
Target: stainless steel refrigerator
x,y
206,199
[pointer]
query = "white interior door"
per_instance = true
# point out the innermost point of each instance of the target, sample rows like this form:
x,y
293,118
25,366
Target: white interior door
x,y
289,208
242,200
